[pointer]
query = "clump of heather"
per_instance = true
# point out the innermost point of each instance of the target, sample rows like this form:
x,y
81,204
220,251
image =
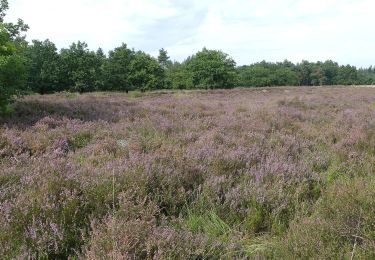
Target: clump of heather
x,y
341,226
281,173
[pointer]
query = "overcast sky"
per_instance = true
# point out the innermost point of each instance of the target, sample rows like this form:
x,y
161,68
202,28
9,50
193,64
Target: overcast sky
x,y
248,30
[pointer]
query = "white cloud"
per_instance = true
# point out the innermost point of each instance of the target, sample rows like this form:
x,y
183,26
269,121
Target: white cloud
x,y
249,30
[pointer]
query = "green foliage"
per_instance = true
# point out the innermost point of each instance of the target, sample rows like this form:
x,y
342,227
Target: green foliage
x,y
79,140
163,58
12,62
303,74
212,69
165,63
80,68
258,219
366,76
43,64
304,70
317,76
347,75
178,76
268,74
117,69
12,78
208,223
4,5
145,72
330,70
129,70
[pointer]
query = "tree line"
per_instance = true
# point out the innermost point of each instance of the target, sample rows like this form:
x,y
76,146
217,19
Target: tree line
x,y
79,69
304,74
40,67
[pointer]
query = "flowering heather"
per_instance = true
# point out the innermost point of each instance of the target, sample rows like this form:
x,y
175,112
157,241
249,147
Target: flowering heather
x,y
243,173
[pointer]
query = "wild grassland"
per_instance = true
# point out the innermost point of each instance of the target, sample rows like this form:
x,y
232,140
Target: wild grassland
x,y
264,173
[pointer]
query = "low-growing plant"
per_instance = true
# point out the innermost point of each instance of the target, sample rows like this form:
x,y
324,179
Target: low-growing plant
x,y
191,176
342,225
79,140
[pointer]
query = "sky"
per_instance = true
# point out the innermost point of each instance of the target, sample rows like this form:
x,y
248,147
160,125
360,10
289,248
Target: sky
x,y
248,30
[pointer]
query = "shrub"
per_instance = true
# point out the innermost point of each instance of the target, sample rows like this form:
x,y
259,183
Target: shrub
x,y
342,225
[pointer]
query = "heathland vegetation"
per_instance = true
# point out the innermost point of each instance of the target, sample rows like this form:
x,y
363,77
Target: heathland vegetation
x,y
244,173
285,173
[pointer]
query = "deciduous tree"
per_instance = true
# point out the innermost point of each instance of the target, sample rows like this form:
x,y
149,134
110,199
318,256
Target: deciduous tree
x,y
12,60
212,69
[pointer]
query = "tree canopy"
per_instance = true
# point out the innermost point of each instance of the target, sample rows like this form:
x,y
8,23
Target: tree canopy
x,y
212,69
302,74
12,60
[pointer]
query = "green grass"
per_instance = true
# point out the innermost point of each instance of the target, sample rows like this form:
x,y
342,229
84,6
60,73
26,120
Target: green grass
x,y
6,110
79,140
208,223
